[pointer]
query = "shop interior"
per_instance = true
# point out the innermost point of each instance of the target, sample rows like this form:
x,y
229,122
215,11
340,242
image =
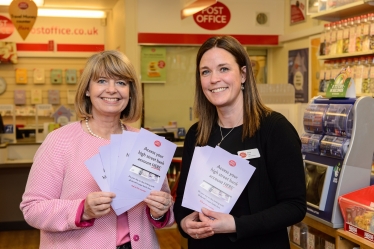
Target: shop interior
x,y
336,135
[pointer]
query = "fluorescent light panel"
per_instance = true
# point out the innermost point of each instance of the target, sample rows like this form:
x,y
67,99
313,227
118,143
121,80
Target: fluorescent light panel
x,y
7,2
72,13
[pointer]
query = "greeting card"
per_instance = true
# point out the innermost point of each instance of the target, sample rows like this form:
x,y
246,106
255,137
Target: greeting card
x,y
56,76
21,76
54,97
39,76
19,97
71,96
36,96
71,76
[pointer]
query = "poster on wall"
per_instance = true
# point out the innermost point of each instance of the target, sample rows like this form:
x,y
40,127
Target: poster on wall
x,y
297,11
298,73
153,66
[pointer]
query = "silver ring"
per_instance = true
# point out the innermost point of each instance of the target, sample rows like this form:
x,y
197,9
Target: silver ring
x,y
197,236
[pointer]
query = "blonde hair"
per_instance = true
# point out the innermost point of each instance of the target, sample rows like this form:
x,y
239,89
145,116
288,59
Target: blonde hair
x,y
253,108
112,64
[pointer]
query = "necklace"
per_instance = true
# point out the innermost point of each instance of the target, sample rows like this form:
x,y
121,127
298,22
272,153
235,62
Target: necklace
x,y
220,129
93,134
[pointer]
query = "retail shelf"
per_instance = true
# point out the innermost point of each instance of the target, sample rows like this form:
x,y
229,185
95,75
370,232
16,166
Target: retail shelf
x,y
323,94
345,11
347,240
336,56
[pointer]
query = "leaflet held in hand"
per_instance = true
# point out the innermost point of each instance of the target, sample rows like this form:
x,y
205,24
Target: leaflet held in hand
x,y
215,180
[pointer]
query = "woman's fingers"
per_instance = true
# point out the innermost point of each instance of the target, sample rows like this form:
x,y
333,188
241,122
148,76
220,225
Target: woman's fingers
x,y
97,204
159,203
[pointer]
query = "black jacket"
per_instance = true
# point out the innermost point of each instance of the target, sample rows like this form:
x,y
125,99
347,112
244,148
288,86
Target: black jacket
x,y
274,197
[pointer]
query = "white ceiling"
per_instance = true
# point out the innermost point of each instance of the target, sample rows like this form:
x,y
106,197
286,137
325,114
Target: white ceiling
x,y
81,4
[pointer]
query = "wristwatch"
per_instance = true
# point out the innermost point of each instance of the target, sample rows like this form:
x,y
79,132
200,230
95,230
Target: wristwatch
x,y
2,85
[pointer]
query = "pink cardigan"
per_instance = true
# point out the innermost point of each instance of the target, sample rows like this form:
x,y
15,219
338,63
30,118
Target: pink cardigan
x,y
57,184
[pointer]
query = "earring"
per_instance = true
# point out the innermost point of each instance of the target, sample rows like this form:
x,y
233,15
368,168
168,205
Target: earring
x,y
87,94
242,86
129,97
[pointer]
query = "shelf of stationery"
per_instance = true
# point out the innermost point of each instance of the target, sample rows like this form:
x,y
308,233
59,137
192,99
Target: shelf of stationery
x,y
336,56
347,10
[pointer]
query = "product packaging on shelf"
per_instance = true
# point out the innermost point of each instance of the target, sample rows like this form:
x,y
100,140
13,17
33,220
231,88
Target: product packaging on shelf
x,y
357,208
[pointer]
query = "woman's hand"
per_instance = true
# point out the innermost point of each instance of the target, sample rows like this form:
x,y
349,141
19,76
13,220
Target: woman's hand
x,y
219,222
195,228
97,204
159,203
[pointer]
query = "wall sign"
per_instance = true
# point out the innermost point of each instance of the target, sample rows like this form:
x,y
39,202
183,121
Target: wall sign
x,y
6,27
216,16
297,11
23,14
298,73
56,36
153,65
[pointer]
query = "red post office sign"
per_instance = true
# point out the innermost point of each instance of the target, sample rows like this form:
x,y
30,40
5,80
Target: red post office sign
x,y
216,16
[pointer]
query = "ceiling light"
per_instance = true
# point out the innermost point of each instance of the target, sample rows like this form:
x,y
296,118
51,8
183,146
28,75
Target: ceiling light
x,y
72,13
191,7
7,2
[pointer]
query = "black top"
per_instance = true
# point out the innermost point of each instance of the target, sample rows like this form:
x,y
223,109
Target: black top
x,y
274,197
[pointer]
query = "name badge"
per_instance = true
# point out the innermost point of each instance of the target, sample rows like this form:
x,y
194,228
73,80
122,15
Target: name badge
x,y
248,154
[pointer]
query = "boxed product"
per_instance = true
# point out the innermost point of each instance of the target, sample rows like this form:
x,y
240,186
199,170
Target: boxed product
x,y
358,212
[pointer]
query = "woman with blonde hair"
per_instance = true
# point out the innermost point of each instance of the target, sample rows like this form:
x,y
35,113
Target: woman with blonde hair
x,y
62,199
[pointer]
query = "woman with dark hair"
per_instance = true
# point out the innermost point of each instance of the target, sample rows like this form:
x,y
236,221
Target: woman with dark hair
x,y
232,116
62,199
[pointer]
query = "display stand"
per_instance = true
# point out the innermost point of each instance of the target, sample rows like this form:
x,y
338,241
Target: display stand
x,y
10,135
339,160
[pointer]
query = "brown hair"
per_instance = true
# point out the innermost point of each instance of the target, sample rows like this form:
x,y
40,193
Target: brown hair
x,y
253,108
112,64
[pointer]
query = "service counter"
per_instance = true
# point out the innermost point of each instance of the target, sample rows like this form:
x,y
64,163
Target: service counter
x,y
15,162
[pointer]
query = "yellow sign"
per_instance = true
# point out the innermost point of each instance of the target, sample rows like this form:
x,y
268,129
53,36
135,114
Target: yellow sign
x,y
23,14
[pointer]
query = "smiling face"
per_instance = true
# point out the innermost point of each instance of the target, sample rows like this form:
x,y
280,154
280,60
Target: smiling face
x,y
221,78
109,97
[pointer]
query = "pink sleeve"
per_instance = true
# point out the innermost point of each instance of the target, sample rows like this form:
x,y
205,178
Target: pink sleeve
x,y
158,223
78,221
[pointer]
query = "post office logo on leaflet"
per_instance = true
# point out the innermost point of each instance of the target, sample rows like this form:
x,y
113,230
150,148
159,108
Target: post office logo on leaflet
x,y
6,27
232,163
214,17
157,143
243,154
23,5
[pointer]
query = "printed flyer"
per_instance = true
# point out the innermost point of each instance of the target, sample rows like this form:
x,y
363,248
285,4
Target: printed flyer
x,y
215,180
131,166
